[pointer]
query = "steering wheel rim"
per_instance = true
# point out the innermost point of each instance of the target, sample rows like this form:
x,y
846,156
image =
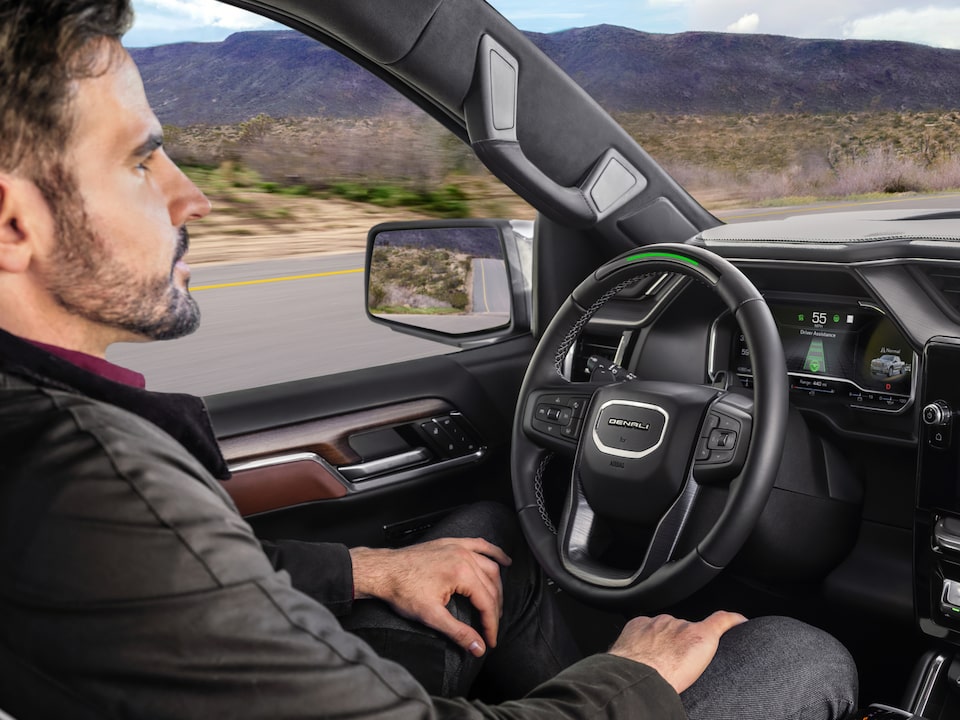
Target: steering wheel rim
x,y
674,578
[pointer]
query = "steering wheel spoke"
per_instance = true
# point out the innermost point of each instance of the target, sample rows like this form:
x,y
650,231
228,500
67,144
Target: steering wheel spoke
x,y
580,539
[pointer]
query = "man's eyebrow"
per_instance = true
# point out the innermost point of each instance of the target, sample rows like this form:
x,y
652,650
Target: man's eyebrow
x,y
148,146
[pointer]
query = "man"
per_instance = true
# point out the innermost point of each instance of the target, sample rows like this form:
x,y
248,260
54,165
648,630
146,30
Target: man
x,y
129,585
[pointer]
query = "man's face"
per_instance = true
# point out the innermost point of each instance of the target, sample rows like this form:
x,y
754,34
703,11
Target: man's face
x,y
120,210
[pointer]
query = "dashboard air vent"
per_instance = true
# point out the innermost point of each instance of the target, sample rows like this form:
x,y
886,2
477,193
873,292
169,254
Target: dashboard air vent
x,y
603,346
943,285
617,322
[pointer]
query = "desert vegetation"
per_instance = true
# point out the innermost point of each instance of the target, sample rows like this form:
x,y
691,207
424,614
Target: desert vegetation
x,y
405,162
315,184
421,280
759,158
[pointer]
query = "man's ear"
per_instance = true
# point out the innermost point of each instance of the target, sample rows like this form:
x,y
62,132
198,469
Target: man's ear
x,y
21,217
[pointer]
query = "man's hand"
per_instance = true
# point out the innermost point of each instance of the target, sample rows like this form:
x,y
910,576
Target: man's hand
x,y
418,582
679,650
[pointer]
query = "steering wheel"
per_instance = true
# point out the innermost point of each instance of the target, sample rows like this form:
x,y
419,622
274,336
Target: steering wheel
x,y
645,453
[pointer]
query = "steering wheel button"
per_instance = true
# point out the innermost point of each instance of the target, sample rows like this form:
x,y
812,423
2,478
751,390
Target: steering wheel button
x,y
709,424
577,405
722,440
565,416
572,430
546,427
703,452
553,414
729,423
721,456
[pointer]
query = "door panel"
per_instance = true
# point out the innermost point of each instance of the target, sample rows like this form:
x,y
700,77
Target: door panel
x,y
293,446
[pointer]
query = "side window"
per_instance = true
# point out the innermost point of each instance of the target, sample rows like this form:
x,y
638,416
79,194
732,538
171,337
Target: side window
x,y
300,152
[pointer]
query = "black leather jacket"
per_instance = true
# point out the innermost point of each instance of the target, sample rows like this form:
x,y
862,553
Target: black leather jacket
x,y
131,588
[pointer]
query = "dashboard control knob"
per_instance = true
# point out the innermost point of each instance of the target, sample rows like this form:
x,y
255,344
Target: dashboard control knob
x,y
946,536
936,413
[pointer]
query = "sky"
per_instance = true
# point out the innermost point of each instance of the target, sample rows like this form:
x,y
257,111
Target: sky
x,y
935,23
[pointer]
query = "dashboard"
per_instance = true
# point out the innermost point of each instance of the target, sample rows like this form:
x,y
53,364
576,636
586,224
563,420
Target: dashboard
x,y
867,308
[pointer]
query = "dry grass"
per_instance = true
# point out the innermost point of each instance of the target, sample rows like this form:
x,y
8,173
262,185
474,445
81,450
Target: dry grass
x,y
278,186
769,156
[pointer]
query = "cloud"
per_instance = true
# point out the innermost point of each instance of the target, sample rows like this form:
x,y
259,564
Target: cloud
x,y
746,24
807,19
935,26
181,13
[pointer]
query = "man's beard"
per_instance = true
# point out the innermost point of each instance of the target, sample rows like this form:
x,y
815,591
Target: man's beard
x,y
87,281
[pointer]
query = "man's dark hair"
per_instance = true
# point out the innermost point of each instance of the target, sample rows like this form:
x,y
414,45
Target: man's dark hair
x,y
44,46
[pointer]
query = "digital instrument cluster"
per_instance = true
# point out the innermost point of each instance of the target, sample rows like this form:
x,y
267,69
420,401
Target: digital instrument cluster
x,y
850,353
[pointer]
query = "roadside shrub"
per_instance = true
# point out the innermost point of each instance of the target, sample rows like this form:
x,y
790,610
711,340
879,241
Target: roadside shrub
x,y
879,170
448,202
294,190
377,294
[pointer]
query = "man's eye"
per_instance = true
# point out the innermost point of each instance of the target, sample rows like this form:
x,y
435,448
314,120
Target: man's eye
x,y
144,164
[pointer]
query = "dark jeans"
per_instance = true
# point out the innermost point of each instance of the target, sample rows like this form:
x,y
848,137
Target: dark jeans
x,y
771,668
775,668
534,643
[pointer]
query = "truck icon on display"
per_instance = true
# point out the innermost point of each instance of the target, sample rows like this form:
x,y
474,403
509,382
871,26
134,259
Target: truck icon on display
x,y
887,365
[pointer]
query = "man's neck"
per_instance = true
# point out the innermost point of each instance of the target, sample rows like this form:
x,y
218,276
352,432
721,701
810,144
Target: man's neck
x,y
97,365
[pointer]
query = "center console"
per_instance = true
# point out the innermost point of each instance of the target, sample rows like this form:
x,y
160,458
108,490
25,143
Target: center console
x,y
937,524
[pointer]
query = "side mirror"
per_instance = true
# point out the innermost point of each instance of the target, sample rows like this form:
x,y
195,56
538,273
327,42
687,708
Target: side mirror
x,y
455,281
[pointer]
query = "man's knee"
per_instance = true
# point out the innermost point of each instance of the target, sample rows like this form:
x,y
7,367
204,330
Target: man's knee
x,y
805,649
492,521
775,667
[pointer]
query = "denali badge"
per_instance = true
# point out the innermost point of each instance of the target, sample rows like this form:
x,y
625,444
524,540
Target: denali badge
x,y
616,417
628,424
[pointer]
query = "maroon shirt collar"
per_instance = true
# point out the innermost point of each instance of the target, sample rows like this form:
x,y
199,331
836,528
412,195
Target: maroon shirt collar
x,y
95,365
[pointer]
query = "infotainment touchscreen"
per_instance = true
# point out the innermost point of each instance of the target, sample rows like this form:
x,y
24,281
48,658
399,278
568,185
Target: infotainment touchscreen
x,y
840,350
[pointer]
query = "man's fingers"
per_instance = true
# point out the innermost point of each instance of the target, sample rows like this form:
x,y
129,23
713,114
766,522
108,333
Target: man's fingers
x,y
440,619
722,620
489,573
490,606
479,545
419,580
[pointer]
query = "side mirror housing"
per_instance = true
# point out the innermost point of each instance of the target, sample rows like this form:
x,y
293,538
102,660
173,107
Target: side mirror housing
x,y
460,282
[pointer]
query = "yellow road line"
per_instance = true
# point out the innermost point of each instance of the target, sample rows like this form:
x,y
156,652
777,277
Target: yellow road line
x,y
264,281
817,208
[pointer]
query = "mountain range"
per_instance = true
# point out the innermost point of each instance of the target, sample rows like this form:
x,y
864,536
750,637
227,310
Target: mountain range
x,y
285,74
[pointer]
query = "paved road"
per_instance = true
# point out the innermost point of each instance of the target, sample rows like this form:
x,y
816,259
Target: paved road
x,y
282,320
295,319
491,294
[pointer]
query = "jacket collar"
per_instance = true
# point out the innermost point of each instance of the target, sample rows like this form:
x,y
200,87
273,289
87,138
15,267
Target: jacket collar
x,y
184,417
